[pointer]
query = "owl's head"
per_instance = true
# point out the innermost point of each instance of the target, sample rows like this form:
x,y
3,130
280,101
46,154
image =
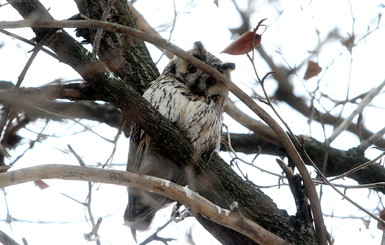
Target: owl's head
x,y
198,82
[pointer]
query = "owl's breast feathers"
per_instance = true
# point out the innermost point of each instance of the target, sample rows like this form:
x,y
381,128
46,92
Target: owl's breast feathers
x,y
198,117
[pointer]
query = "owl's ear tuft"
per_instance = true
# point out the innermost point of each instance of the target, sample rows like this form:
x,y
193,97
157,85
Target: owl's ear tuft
x,y
199,48
228,67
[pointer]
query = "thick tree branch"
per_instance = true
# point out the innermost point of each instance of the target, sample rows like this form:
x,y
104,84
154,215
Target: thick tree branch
x,y
35,103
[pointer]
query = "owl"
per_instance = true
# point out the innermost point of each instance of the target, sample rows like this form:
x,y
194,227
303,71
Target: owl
x,y
194,102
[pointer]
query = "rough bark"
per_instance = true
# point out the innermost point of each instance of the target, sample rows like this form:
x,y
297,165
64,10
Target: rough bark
x,y
220,184
126,57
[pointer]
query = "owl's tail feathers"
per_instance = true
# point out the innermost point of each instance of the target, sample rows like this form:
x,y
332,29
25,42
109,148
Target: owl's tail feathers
x,y
133,232
141,209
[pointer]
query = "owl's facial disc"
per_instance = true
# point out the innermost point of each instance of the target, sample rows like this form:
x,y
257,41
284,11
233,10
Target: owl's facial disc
x,y
197,81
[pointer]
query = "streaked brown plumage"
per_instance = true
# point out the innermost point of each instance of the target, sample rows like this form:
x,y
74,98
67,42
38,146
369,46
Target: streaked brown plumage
x,y
194,102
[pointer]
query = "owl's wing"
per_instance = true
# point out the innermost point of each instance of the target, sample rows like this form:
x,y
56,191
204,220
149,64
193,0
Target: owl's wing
x,y
202,124
167,96
146,158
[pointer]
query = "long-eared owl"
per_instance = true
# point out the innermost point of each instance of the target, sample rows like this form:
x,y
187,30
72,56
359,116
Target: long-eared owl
x,y
194,102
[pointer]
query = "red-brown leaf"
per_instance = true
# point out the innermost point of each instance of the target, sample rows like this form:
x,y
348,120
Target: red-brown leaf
x,y
41,184
348,42
382,216
312,70
243,44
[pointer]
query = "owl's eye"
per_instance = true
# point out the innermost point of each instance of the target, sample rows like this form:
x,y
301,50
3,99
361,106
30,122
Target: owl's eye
x,y
210,81
191,68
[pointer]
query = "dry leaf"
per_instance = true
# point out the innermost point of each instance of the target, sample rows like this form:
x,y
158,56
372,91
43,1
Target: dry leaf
x,y
348,42
243,44
366,223
382,216
41,184
313,69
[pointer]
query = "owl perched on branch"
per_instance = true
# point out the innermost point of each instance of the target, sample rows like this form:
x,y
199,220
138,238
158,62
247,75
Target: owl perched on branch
x,y
194,102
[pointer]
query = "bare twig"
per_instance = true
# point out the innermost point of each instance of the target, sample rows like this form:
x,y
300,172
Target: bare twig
x,y
154,236
300,198
197,203
323,177
234,157
365,101
92,236
359,186
359,167
99,32
372,139
80,160
31,144
7,110
115,142
30,43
